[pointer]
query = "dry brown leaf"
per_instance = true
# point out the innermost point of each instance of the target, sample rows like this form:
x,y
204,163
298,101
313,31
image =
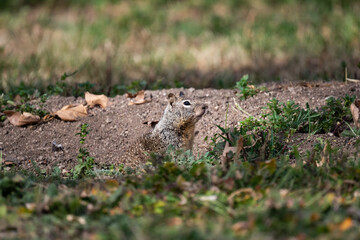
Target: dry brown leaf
x,y
243,227
346,224
139,99
324,156
239,146
92,100
21,119
242,193
130,95
314,217
71,112
306,84
17,99
236,150
224,158
48,118
354,108
175,221
9,163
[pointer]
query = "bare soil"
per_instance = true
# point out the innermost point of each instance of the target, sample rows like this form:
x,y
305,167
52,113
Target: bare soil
x,y
114,129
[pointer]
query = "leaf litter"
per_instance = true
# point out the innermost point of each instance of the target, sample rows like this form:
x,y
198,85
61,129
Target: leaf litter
x,y
71,112
354,108
138,98
93,99
21,119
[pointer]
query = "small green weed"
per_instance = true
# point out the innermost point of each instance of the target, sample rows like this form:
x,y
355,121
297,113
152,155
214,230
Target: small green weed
x,y
85,161
24,106
351,132
328,118
246,90
3,104
62,87
268,136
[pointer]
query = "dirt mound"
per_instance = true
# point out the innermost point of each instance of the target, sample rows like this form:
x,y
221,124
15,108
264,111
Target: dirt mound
x,y
113,129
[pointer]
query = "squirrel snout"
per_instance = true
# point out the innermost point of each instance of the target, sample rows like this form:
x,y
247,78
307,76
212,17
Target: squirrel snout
x,y
200,110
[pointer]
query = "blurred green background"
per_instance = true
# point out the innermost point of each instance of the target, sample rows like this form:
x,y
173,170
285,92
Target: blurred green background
x,y
163,43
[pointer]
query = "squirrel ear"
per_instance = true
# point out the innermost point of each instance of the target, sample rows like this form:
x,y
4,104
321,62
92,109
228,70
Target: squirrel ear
x,y
171,98
181,94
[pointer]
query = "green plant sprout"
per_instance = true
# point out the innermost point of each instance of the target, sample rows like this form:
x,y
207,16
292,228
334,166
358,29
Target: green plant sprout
x,y
85,161
246,90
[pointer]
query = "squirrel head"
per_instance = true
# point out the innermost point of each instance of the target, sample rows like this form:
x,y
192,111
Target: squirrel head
x,y
183,111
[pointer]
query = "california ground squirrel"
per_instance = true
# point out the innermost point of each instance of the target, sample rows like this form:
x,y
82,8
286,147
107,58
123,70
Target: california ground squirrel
x,y
176,128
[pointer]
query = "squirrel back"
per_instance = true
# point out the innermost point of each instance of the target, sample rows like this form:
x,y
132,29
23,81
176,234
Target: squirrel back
x,y
176,128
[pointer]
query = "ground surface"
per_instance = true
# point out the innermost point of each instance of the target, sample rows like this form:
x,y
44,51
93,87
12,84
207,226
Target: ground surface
x,y
113,129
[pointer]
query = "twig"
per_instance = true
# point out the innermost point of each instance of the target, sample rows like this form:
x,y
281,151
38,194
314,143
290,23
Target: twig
x,y
242,110
349,79
226,115
345,75
352,80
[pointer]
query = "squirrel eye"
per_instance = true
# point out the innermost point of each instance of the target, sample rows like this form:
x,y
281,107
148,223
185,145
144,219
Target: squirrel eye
x,y
187,103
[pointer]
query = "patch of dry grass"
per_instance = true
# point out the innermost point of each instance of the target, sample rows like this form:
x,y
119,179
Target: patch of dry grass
x,y
199,43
